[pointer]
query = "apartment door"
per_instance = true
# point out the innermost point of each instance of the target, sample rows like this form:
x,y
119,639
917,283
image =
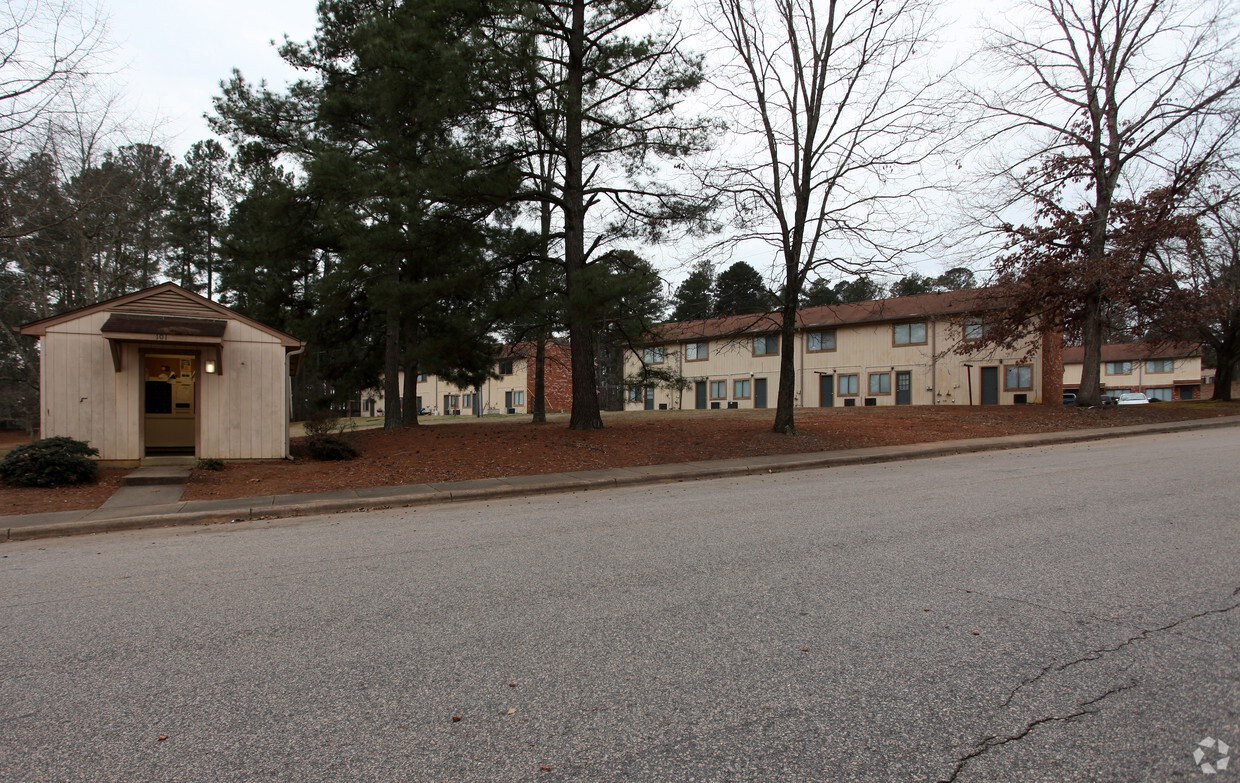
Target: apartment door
x,y
649,398
169,403
990,385
904,387
759,392
699,395
826,391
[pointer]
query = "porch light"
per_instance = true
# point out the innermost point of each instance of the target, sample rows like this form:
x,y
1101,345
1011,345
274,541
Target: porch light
x,y
210,367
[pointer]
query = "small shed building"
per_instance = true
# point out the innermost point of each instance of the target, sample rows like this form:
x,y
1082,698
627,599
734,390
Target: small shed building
x,y
164,371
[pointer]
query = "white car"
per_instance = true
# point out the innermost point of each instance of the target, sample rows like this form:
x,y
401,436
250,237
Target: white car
x,y
1133,398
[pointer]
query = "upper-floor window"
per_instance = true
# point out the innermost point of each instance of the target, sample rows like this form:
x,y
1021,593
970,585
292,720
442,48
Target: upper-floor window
x,y
766,345
1119,368
696,352
820,341
1160,365
654,354
505,367
975,328
421,377
908,334
1018,378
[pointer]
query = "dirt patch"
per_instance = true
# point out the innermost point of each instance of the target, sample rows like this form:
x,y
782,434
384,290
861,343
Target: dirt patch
x,y
452,450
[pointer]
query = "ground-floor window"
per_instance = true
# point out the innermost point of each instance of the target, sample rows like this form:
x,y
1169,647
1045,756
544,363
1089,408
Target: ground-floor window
x,y
880,383
848,384
1162,395
1018,378
635,394
740,390
718,390
518,398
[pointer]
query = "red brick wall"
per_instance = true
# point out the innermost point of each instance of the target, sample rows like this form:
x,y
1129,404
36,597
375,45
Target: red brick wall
x,y
557,378
1052,367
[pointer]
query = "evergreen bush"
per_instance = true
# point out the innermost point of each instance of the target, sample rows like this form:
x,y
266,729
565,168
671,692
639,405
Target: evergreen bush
x,y
51,462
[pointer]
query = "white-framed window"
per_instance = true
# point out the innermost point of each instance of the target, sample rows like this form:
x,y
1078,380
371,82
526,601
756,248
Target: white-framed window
x,y
908,334
1165,394
820,341
740,390
654,354
518,398
696,352
718,390
848,385
1119,368
766,345
1160,365
880,383
1018,378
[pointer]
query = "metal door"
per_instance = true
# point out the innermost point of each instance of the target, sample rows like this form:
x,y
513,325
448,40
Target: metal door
x,y
990,385
759,392
649,398
904,387
700,396
826,391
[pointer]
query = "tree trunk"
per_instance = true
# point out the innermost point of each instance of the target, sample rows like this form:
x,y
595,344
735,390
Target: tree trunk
x,y
1090,391
786,398
391,365
409,408
585,415
540,379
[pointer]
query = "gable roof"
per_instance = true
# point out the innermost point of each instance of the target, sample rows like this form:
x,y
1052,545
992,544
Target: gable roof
x,y
906,308
1131,352
166,302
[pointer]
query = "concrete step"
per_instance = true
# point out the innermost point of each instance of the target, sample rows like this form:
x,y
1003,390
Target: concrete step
x,y
170,460
152,476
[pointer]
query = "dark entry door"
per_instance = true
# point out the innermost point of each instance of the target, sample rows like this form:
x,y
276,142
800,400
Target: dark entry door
x,y
649,398
700,396
904,387
990,385
759,392
826,391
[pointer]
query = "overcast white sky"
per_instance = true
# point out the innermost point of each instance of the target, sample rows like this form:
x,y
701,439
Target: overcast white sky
x,y
171,55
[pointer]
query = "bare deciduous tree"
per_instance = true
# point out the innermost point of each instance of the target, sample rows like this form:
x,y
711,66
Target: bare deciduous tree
x,y
1101,102
836,113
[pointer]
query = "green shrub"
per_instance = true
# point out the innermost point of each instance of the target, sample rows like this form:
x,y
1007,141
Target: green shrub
x,y
51,462
209,463
328,447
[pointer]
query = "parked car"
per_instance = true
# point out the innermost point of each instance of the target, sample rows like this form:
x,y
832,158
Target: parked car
x,y
1069,398
1133,398
1108,399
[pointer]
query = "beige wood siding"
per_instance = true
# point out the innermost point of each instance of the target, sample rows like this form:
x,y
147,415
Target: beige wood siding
x,y
168,303
244,409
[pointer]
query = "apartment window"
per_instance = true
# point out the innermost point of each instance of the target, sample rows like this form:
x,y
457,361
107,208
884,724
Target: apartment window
x,y
421,377
452,401
718,390
654,355
766,345
1160,365
1119,368
848,385
880,383
518,398
505,367
820,341
1018,378
635,394
467,400
908,334
975,328
1162,395
696,352
740,390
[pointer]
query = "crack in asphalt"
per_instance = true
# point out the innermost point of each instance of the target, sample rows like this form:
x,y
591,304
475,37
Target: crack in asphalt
x,y
1096,654
995,742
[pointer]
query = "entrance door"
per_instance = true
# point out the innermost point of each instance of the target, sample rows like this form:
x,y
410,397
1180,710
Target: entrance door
x,y
649,398
699,395
826,391
990,385
904,387
759,392
169,403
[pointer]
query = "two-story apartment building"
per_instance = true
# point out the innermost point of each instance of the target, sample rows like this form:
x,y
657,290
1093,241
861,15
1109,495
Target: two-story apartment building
x,y
511,391
887,352
1163,371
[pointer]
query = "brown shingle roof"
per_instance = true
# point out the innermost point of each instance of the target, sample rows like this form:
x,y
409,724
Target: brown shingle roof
x,y
1127,352
827,316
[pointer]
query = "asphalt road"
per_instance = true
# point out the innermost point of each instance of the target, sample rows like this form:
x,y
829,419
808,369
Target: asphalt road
x,y
1053,614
